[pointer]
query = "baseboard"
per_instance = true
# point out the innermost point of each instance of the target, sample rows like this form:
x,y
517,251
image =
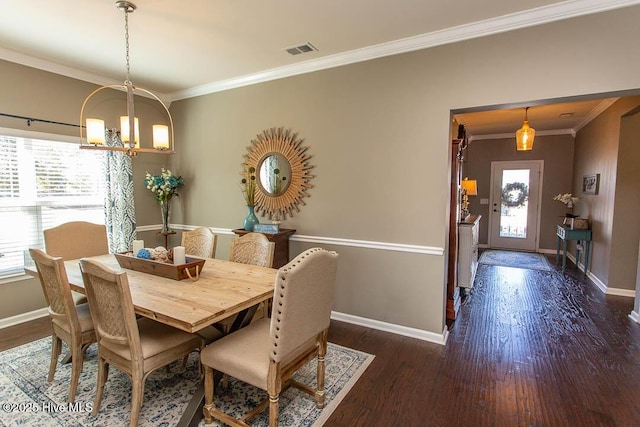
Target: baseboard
x,y
24,317
629,293
635,316
390,327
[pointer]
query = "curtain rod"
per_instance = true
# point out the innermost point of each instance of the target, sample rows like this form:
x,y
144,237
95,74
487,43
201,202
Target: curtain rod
x,y
32,119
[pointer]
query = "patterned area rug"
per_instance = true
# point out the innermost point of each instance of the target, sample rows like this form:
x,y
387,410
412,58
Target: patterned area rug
x,y
27,399
515,259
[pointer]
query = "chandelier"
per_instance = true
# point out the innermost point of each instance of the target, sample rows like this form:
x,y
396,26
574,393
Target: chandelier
x,y
525,135
93,135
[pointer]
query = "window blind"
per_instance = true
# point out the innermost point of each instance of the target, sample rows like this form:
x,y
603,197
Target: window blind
x,y
44,184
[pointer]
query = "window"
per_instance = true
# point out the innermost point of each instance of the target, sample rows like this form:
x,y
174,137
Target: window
x,y
44,184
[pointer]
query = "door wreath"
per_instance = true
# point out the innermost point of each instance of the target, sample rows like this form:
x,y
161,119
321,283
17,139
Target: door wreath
x,y
515,194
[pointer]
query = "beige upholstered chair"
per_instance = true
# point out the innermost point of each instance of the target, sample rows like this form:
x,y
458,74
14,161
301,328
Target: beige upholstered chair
x,y
200,242
252,248
76,239
69,322
268,352
137,348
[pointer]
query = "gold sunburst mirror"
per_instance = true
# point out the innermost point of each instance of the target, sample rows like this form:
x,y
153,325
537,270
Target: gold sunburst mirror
x,y
282,170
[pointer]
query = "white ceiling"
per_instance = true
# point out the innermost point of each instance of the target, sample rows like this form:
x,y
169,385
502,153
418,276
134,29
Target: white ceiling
x,y
188,48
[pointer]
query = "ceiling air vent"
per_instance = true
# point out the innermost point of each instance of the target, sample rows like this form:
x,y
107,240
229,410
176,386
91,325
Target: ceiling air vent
x,y
304,48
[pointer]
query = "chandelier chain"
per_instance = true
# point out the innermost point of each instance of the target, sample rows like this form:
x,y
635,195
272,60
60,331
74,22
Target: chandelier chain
x,y
126,39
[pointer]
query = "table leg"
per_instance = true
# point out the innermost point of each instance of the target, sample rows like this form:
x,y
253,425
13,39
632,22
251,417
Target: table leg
x,y
564,254
587,249
558,249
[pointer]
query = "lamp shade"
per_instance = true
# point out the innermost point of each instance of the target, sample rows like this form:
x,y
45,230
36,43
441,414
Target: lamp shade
x,y
95,131
161,137
124,130
471,186
525,135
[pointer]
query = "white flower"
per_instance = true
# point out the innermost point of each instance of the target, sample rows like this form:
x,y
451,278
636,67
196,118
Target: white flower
x,y
567,199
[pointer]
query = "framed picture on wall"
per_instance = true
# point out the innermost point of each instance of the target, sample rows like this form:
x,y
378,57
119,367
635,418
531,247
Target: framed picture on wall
x,y
591,183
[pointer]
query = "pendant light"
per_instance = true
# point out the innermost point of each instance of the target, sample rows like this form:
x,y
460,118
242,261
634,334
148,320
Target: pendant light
x,y
525,135
129,126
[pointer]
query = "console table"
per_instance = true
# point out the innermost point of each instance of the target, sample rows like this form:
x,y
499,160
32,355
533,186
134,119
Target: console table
x,y
281,240
564,233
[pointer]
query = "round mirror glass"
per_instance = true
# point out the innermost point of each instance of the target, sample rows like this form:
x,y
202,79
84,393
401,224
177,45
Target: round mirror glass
x,y
275,174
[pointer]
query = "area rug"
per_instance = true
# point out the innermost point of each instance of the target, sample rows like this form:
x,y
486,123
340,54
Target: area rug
x,y
515,259
27,399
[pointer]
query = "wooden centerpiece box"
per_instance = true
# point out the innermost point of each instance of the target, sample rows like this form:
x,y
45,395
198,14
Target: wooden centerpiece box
x,y
191,269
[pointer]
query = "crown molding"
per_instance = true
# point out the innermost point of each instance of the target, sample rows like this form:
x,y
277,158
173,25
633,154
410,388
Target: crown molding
x,y
75,73
510,22
528,18
513,134
606,103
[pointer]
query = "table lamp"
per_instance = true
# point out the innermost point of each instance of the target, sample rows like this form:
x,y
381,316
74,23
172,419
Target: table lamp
x,y
469,188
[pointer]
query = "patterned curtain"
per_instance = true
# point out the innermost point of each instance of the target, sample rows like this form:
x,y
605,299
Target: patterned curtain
x,y
120,213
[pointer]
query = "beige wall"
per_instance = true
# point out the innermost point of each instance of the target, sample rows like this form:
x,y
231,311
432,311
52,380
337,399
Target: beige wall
x,y
555,151
597,151
379,133
626,226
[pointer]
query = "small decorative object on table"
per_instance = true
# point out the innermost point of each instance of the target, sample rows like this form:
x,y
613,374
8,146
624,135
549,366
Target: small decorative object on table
x,y
249,194
568,200
266,228
160,262
164,187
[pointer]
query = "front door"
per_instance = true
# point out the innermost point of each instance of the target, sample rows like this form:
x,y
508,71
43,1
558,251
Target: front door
x,y
514,215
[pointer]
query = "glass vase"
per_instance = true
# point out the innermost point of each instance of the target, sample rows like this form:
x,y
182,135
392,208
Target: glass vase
x,y
165,208
251,219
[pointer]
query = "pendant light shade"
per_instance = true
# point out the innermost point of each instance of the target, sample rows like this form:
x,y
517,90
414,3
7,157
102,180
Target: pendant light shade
x,y
525,135
129,132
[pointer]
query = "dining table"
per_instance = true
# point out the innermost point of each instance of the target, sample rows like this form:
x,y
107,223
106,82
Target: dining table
x,y
222,289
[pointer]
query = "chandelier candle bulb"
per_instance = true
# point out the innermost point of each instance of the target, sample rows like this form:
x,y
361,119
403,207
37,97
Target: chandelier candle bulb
x,y
95,131
179,255
124,130
161,137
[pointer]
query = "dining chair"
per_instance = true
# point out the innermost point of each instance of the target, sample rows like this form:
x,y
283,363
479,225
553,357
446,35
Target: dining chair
x,y
254,249
268,352
76,239
70,323
136,347
200,242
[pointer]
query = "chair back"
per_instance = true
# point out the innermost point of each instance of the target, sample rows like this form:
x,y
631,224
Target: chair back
x,y
111,306
252,248
302,301
200,242
76,239
56,289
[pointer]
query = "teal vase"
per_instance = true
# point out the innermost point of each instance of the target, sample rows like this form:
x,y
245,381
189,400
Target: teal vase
x,y
251,219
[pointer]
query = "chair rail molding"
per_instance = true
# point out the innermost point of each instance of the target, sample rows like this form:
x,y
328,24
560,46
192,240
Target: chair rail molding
x,y
368,244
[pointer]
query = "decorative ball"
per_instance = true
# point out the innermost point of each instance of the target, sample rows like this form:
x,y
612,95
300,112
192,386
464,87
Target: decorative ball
x,y
143,253
161,254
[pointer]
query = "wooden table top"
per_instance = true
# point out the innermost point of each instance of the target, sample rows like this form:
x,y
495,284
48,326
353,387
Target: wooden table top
x,y
223,289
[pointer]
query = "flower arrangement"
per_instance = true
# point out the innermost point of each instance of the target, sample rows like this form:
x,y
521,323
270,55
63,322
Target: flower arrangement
x,y
567,199
163,186
249,186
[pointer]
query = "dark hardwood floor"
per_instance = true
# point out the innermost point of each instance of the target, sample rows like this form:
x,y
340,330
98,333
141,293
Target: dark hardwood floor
x,y
529,348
